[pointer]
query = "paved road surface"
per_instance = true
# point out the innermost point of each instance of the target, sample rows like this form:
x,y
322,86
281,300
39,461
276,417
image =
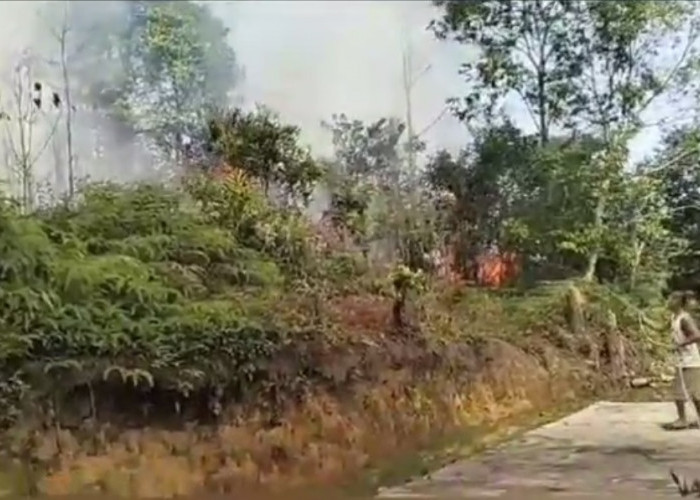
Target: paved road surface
x,y
608,450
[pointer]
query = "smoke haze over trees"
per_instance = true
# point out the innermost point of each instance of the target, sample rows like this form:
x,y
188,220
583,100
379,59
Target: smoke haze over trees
x,y
206,205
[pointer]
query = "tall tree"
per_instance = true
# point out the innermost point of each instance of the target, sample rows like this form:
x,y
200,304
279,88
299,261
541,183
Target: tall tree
x,y
370,151
372,188
179,69
636,52
158,67
29,118
529,48
61,35
676,167
572,63
365,177
592,66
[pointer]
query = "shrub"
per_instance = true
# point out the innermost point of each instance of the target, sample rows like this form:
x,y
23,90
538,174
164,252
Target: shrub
x,y
143,284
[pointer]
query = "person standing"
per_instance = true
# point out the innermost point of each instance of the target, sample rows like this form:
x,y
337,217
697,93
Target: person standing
x,y
685,336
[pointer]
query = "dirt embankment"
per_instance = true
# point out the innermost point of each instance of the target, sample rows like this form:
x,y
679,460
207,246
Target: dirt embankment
x,y
329,409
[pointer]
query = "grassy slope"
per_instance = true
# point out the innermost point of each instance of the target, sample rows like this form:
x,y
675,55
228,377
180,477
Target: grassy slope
x,y
193,290
189,302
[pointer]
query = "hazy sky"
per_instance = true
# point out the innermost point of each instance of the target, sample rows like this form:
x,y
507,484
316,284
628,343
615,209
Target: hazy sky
x,y
310,59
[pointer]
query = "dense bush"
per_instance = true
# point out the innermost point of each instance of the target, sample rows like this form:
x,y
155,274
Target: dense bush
x,y
145,283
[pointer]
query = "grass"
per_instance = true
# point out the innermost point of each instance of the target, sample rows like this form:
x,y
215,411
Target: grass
x,y
222,312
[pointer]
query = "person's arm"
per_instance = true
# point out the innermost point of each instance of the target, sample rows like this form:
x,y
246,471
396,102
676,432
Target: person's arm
x,y
690,332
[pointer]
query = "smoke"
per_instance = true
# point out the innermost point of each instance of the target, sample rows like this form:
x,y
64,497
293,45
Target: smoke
x,y
33,134
309,60
305,59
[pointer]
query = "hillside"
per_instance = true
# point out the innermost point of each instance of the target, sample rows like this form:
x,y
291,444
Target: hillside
x,y
169,311
199,334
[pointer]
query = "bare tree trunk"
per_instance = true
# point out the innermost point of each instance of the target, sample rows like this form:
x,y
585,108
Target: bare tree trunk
x,y
68,104
594,254
638,252
407,87
20,128
591,266
615,349
24,137
58,162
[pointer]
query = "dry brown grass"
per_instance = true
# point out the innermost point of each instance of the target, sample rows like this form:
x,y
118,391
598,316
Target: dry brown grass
x,y
321,441
365,315
376,393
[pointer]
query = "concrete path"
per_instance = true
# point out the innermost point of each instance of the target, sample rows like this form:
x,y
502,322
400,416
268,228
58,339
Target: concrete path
x,y
608,450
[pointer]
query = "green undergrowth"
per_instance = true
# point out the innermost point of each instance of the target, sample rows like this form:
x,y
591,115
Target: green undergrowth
x,y
196,291
572,306
172,288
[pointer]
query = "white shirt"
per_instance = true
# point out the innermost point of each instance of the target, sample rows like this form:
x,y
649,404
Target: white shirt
x,y
689,355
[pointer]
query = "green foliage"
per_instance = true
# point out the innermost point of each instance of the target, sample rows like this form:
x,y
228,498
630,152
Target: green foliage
x,y
484,182
505,31
549,53
350,205
404,279
141,284
675,168
346,266
572,203
373,196
370,151
268,150
182,288
629,42
364,173
157,67
568,202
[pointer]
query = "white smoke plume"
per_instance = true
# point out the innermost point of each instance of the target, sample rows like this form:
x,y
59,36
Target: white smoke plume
x,y
305,59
